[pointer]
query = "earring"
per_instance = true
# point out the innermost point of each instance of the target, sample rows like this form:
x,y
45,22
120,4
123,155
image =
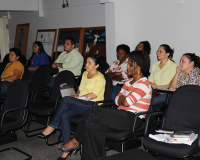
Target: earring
x,y
138,71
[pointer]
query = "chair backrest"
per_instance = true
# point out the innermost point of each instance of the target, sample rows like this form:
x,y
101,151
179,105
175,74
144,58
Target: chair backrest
x,y
16,98
183,111
41,77
22,59
6,59
26,73
108,87
151,103
62,77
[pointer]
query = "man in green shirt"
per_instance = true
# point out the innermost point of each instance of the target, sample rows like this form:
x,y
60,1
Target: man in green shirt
x,y
70,59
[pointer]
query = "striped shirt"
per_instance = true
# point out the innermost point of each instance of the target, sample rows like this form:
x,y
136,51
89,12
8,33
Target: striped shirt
x,y
138,95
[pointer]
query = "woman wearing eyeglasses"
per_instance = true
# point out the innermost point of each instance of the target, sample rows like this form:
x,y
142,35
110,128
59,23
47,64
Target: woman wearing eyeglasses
x,y
39,57
162,72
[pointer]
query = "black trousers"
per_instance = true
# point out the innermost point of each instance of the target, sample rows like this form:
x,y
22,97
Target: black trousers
x,y
94,126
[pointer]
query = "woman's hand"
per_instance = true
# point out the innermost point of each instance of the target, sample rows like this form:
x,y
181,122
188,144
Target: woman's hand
x,y
178,70
154,86
122,101
54,65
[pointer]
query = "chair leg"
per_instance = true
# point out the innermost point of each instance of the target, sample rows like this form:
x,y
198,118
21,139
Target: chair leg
x,y
27,126
57,142
123,146
24,153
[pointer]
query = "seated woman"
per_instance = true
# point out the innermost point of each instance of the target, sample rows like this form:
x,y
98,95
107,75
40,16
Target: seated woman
x,y
14,70
39,57
117,71
92,86
134,97
162,72
144,46
188,72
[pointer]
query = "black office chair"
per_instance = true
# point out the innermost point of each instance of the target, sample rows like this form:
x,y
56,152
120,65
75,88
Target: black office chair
x,y
125,140
47,108
26,73
182,115
40,81
14,113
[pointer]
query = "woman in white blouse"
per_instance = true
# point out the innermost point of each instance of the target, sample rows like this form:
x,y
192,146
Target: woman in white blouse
x,y
117,71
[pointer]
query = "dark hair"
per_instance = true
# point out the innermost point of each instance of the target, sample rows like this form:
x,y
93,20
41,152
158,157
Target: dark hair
x,y
142,59
73,42
168,50
16,51
40,45
96,59
125,47
147,46
193,58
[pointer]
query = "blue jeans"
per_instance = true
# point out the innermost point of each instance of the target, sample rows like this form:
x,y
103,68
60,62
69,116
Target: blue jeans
x,y
115,91
160,99
4,87
52,82
68,107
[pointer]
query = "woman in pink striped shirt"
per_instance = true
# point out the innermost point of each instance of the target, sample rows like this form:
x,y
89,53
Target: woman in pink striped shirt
x,y
134,97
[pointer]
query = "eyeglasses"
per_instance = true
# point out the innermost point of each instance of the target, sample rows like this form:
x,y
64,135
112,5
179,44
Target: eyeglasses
x,y
160,52
35,47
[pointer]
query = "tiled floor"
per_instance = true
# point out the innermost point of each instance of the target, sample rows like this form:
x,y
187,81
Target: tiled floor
x,y
35,147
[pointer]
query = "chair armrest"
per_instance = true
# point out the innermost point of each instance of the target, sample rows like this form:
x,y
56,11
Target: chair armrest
x,y
148,118
137,116
39,90
199,139
57,99
13,110
104,101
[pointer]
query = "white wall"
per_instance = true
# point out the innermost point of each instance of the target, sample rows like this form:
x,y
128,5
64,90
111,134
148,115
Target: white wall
x,y
163,21
23,5
127,21
88,14
4,37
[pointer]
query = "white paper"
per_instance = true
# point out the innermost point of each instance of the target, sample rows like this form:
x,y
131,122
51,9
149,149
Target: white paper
x,y
168,139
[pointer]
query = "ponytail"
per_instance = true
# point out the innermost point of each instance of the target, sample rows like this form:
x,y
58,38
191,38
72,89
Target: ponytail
x,y
168,50
193,58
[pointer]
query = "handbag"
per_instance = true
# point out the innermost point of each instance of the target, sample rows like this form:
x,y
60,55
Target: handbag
x,y
67,89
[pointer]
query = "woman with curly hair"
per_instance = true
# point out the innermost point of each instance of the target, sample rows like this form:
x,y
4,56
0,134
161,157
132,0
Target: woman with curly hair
x,y
144,46
134,97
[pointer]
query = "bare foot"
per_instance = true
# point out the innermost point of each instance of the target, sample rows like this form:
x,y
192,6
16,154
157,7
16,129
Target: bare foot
x,y
71,144
48,130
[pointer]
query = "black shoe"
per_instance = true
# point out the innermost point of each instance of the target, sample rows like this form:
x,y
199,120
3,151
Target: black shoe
x,y
61,158
41,135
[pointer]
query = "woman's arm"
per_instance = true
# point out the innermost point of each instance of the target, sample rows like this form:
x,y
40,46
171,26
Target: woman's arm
x,y
117,76
134,96
122,101
154,86
17,75
33,68
174,81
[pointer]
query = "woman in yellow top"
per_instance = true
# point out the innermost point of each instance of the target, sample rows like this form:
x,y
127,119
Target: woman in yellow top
x,y
162,72
92,86
13,70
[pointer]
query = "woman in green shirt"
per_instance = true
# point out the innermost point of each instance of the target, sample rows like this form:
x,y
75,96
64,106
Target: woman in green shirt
x,y
162,72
